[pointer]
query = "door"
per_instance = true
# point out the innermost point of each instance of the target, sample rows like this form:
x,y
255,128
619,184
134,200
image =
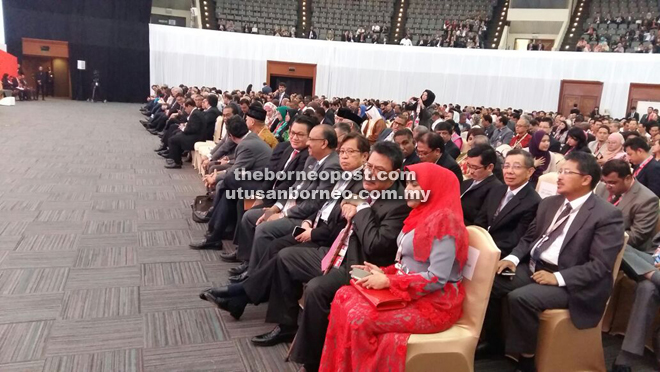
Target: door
x,y
586,94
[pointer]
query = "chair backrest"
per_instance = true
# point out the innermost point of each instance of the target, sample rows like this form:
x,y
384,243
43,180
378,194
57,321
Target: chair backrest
x,y
547,184
619,257
482,265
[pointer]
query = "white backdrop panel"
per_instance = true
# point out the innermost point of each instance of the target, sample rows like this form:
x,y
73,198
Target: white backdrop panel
x,y
500,78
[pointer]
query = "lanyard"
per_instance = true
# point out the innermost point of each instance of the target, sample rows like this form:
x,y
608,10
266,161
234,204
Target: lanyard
x,y
620,197
641,166
520,140
552,229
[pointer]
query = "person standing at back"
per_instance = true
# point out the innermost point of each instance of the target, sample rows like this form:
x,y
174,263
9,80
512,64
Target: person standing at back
x,y
42,81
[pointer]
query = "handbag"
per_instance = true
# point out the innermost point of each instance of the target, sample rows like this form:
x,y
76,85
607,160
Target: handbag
x,y
201,207
381,299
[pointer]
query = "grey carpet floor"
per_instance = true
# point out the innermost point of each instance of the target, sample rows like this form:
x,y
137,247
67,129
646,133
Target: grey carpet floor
x,y
95,272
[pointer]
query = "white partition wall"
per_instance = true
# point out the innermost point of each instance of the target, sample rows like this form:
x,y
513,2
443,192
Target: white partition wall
x,y
497,78
3,46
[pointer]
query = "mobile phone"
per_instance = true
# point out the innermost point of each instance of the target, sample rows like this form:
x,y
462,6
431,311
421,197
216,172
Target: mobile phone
x,y
508,272
297,231
359,273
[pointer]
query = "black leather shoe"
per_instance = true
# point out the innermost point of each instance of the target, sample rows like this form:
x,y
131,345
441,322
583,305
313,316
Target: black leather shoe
x,y
152,131
526,365
486,350
240,278
161,135
234,305
164,153
240,269
621,368
206,245
161,148
213,294
173,166
144,123
229,257
274,337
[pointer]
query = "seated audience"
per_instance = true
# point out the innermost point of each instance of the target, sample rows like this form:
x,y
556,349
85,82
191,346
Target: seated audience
x,y
545,124
599,146
615,149
431,149
646,168
501,135
555,267
374,126
184,140
432,251
544,160
255,120
476,190
509,209
522,137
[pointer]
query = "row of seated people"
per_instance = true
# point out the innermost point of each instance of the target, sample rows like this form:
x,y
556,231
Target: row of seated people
x,y
17,86
417,248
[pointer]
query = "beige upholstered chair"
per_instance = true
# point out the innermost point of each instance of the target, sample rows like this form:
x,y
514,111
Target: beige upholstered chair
x,y
547,184
579,349
453,350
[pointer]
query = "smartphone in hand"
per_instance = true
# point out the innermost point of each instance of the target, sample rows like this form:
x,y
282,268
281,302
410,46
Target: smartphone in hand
x,y
358,274
297,231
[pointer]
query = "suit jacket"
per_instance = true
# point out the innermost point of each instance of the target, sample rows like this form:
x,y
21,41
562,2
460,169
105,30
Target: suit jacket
x,y
383,134
195,127
306,207
252,155
375,231
448,162
42,77
640,214
512,222
411,159
633,116
650,176
281,155
555,146
474,199
586,260
280,97
452,149
210,116
223,148
325,233
645,119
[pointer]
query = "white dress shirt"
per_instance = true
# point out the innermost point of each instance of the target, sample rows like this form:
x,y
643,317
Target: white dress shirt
x,y
290,203
551,255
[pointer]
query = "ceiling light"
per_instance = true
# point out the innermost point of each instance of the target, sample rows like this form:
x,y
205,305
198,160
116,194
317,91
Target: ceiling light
x,y
571,35
493,45
573,29
207,25
566,47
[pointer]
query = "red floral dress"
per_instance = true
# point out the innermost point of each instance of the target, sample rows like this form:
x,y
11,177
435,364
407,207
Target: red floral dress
x,y
359,338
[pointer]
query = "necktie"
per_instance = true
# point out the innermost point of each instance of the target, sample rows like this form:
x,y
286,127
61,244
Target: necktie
x,y
553,232
468,189
335,256
615,199
507,198
293,156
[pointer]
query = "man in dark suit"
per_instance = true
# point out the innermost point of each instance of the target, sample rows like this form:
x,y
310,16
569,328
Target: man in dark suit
x,y
42,81
633,114
192,132
281,93
252,156
287,157
320,230
474,192
211,113
431,148
404,138
555,267
445,130
510,208
375,225
158,123
645,117
646,168
545,124
638,204
260,227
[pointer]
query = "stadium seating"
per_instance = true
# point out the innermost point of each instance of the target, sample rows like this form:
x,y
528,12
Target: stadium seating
x,y
426,17
267,15
341,16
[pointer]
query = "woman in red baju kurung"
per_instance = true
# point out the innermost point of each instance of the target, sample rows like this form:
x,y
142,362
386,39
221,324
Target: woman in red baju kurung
x,y
427,275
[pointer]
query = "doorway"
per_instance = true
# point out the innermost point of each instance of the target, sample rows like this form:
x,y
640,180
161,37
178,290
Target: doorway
x,y
293,85
53,56
585,94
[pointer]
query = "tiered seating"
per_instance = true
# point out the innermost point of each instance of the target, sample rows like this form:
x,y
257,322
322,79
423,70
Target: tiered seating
x,y
426,18
621,21
342,15
267,15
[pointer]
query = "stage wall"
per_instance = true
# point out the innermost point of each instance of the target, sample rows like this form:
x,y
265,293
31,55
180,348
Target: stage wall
x,y
520,79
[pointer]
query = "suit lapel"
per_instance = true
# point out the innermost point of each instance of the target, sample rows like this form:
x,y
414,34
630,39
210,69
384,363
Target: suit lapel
x,y
629,196
513,203
580,219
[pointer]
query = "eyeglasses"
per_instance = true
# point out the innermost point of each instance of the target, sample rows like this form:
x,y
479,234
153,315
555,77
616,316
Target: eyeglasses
x,y
515,167
568,171
296,134
372,168
316,139
348,152
475,168
423,153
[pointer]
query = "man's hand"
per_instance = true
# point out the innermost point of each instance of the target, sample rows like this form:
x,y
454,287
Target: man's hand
x,y
545,278
348,211
205,163
306,225
275,217
224,160
268,212
505,264
305,236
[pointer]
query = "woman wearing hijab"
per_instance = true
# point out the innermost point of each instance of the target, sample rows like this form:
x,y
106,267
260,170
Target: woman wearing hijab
x,y
281,131
614,149
576,140
421,108
374,125
544,160
427,276
271,113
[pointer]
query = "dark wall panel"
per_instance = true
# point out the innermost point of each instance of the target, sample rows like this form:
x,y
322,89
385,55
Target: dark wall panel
x,y
112,36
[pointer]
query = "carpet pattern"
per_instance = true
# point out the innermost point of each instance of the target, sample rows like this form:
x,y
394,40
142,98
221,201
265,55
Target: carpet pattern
x,y
95,272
